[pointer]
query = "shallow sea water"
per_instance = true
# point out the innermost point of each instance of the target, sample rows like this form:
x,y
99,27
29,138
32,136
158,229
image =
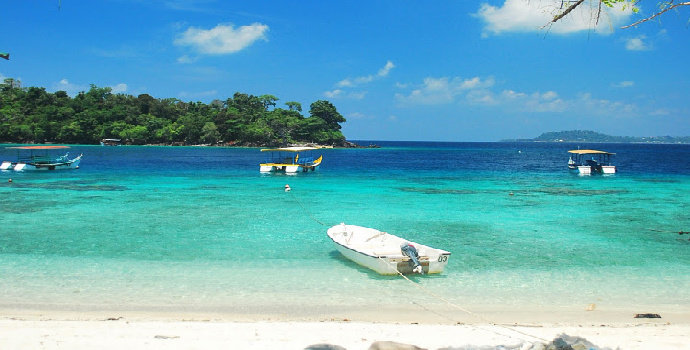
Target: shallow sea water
x,y
200,229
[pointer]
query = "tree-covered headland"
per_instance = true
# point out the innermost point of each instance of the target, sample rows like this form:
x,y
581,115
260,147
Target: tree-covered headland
x,y
33,115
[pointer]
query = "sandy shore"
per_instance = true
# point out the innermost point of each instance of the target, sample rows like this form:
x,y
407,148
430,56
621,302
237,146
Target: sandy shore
x,y
138,331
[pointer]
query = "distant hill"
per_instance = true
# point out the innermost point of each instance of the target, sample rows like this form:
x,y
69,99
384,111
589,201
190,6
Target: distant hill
x,y
593,136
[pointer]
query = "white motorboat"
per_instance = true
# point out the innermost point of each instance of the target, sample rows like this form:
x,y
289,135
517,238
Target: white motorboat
x,y
385,253
589,161
37,158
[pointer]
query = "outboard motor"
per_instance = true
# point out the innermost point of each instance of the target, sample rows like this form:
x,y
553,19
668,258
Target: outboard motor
x,y
409,250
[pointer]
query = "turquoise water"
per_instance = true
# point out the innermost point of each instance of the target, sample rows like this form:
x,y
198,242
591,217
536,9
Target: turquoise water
x,y
200,229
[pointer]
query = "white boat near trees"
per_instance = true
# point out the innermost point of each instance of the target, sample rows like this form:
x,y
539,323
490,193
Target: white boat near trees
x,y
589,161
39,158
290,160
385,253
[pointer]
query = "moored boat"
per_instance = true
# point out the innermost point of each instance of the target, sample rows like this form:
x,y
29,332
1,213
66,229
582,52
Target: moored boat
x,y
589,161
385,253
111,142
290,160
38,158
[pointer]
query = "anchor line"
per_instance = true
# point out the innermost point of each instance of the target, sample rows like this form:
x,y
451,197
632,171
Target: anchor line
x,y
461,308
305,209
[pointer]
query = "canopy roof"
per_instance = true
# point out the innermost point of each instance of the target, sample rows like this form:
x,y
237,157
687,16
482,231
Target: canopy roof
x,y
588,151
39,147
289,149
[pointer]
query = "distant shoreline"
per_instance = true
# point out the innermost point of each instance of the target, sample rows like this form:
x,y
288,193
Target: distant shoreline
x,y
587,136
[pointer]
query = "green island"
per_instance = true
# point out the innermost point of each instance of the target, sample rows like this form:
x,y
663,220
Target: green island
x,y
33,115
595,137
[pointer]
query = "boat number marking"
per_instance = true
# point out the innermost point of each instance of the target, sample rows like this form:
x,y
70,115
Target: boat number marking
x,y
442,258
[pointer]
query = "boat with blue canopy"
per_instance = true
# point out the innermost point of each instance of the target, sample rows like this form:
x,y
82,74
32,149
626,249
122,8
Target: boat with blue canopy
x,y
290,160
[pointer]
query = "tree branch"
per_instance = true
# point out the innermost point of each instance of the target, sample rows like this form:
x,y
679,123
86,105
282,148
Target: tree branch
x,y
566,12
657,14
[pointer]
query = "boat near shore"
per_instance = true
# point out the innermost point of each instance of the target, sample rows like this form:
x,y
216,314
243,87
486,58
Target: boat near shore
x,y
290,160
111,142
40,158
385,253
589,161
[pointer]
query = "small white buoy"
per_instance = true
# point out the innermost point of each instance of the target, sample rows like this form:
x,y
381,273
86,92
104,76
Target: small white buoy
x,y
287,188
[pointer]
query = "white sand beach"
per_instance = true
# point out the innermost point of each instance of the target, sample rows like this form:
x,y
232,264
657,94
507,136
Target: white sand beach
x,y
55,330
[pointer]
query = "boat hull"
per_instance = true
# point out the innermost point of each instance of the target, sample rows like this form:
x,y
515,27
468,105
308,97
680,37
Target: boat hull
x,y
287,168
608,169
584,170
20,166
385,259
7,165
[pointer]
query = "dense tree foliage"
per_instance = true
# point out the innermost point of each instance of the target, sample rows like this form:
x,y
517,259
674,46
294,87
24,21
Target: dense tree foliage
x,y
33,115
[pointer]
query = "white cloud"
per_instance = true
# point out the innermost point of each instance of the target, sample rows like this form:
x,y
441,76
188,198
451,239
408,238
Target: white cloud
x,y
222,39
184,59
533,15
637,44
624,84
660,112
604,107
445,90
339,93
119,88
352,82
70,88
333,93
74,89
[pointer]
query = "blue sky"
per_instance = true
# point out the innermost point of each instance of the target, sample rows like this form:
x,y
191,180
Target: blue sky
x,y
397,70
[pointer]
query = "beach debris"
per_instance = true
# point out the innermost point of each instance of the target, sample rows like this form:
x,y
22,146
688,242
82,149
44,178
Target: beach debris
x,y
166,336
647,316
562,342
324,347
391,345
591,307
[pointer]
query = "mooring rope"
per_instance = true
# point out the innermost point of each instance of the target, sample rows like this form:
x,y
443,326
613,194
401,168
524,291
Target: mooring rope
x,y
460,307
305,208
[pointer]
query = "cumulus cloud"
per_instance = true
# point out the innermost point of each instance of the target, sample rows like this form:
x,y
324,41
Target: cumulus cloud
x,y
70,88
605,107
74,89
446,90
479,91
533,15
341,87
637,44
339,93
222,39
624,84
352,82
119,88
